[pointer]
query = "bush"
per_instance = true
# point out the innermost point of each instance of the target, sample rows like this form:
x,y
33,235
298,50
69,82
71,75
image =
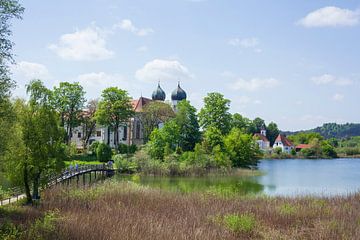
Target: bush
x,y
122,148
93,147
103,152
244,223
125,165
132,148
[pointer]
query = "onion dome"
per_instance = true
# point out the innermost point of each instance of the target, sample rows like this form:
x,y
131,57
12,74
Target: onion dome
x,y
158,94
178,94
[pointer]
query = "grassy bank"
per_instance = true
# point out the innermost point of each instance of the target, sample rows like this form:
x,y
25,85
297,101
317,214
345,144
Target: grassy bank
x,y
124,210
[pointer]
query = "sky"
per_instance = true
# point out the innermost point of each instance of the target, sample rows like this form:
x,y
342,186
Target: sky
x,y
296,63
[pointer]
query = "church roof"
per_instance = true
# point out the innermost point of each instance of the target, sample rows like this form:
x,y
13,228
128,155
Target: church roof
x,y
261,137
140,103
178,94
158,94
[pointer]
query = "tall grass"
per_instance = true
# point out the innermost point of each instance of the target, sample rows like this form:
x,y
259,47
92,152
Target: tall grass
x,y
123,210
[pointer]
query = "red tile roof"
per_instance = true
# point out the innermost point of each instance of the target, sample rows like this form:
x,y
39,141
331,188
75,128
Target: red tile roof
x,y
302,146
284,140
261,137
140,103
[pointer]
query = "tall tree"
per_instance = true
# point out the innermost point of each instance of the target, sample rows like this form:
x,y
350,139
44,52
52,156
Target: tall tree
x,y
153,114
8,9
187,121
215,113
69,99
88,121
272,131
256,125
38,150
114,110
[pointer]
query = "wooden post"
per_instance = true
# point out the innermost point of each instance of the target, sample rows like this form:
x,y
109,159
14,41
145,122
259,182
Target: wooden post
x,y
95,174
84,179
77,180
90,177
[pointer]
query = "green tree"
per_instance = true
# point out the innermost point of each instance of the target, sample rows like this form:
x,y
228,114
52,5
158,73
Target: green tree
x,y
88,122
187,121
242,149
305,138
103,152
212,138
256,125
241,122
215,113
69,99
114,110
166,138
153,114
272,131
38,150
9,9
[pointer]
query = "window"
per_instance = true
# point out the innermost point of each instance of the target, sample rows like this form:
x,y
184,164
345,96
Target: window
x,y
98,133
79,134
125,133
137,135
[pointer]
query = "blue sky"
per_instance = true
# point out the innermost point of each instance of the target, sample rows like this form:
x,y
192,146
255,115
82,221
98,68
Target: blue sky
x,y
292,62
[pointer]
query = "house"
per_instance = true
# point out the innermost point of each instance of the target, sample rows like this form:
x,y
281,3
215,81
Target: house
x,y
261,139
282,142
300,147
131,132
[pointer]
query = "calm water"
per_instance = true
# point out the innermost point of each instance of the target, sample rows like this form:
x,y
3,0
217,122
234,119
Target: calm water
x,y
290,177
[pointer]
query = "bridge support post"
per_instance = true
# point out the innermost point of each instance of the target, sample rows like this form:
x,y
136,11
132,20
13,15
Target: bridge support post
x,y
83,179
77,180
90,176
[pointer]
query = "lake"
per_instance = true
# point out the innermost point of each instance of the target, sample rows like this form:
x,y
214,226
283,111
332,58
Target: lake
x,y
285,177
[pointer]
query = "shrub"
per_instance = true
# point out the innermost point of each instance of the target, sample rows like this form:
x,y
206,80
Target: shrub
x,y
132,148
244,223
287,209
93,147
125,164
122,148
103,152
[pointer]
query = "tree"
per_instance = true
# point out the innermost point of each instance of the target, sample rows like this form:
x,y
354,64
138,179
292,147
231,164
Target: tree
x,y
88,122
215,113
166,138
153,114
257,123
212,138
38,150
114,110
242,149
241,122
103,152
8,9
187,121
69,99
272,131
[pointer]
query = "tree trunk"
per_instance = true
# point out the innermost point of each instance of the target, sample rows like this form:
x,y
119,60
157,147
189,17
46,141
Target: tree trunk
x,y
116,137
26,185
36,186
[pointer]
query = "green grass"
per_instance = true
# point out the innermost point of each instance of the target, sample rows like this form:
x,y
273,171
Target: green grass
x,y
73,162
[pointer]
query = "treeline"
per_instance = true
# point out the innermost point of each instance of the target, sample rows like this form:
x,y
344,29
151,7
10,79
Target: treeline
x,y
334,130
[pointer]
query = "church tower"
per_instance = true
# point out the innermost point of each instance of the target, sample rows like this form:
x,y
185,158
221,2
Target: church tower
x,y
177,95
263,130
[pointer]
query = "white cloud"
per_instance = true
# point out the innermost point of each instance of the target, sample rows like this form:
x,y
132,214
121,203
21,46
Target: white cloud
x,y
164,70
94,83
127,25
88,44
30,70
250,43
330,17
338,97
331,79
254,84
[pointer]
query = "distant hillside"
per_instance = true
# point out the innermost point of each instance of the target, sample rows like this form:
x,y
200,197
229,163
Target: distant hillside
x,y
329,130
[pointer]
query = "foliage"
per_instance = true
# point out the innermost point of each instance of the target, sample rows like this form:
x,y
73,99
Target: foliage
x,y
125,165
103,152
272,131
159,138
256,125
215,113
242,149
9,9
241,122
125,149
93,147
304,138
212,138
37,148
188,124
114,109
240,223
68,100
88,122
153,114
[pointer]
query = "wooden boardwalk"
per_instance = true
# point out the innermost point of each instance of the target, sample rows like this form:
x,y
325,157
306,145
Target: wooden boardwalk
x,y
84,173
